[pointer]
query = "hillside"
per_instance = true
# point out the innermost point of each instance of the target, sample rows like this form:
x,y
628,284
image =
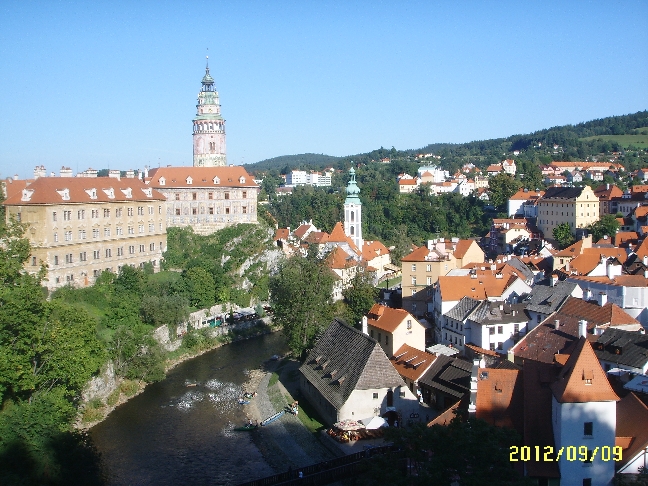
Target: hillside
x,y
569,142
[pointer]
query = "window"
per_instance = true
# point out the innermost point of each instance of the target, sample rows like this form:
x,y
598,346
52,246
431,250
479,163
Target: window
x,y
130,211
54,216
244,208
150,209
68,258
227,210
140,210
177,196
491,331
67,215
106,231
500,329
55,259
375,396
516,328
82,256
151,227
82,234
177,212
210,195
108,253
386,339
151,246
500,345
227,195
409,323
492,346
194,196
371,334
141,228
119,230
244,194
106,213
414,280
211,210
194,211
120,251
118,212
95,233
159,209
588,428
95,254
428,281
131,249
96,273
131,230
56,237
413,267
402,393
68,236
81,214
95,213
141,248
33,261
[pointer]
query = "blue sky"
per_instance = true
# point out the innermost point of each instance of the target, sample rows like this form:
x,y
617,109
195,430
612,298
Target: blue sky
x,y
114,84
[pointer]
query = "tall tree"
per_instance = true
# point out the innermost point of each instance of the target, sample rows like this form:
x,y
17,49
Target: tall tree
x,y
300,295
501,187
607,225
359,297
563,235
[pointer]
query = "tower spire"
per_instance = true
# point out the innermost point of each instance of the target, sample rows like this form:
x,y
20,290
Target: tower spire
x,y
208,126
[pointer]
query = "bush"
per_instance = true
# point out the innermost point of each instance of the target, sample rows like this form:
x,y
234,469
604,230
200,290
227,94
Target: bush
x,y
113,398
129,387
94,404
92,415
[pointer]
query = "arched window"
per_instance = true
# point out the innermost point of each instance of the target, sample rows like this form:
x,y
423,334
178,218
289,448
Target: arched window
x,y
352,230
390,398
352,216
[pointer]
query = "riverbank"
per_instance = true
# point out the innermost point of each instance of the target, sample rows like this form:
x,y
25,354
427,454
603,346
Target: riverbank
x,y
291,441
95,411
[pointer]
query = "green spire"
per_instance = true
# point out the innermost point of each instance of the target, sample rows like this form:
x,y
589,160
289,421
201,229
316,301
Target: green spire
x,y
207,80
352,190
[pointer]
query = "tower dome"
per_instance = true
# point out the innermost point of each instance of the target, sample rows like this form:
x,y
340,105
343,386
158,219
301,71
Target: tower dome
x,y
353,212
352,190
208,126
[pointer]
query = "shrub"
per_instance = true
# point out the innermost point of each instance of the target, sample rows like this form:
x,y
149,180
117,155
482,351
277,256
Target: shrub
x,y
129,387
113,398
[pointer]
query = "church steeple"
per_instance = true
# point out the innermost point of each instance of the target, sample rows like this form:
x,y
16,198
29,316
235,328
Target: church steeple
x,y
208,126
353,212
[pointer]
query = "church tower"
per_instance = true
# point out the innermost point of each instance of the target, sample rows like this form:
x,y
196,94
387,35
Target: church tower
x,y
353,212
208,126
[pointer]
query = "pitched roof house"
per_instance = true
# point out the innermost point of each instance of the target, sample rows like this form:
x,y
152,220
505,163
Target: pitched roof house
x,y
347,376
393,328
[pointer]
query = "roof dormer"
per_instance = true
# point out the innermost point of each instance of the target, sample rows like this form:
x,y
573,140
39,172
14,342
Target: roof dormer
x,y
162,181
216,180
241,180
128,192
92,193
27,194
64,193
148,192
189,180
110,192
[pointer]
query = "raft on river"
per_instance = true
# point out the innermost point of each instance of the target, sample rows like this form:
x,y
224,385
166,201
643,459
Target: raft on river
x,y
273,418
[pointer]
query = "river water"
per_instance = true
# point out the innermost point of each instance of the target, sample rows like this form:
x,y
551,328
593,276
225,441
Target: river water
x,y
174,434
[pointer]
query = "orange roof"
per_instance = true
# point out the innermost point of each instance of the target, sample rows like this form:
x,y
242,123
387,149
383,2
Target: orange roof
x,y
462,248
281,234
582,379
70,190
317,237
631,426
494,168
372,249
412,363
387,318
642,249
15,186
340,259
176,177
523,195
572,250
586,165
500,397
641,211
457,287
591,257
594,314
407,182
620,280
301,230
339,236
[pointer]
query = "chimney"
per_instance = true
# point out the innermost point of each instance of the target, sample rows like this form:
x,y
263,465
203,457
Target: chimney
x,y
582,329
587,295
645,261
602,299
554,280
365,329
15,177
556,324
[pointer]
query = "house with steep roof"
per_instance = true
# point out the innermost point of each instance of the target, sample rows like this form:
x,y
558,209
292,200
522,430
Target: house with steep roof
x,y
608,195
500,398
632,434
584,414
523,203
344,267
393,328
412,364
547,297
454,321
496,326
348,376
206,198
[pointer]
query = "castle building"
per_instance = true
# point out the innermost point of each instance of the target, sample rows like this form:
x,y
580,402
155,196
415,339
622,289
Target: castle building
x,y
80,226
206,198
353,212
208,127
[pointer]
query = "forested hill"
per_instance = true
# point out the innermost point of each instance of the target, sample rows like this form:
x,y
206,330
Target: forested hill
x,y
574,142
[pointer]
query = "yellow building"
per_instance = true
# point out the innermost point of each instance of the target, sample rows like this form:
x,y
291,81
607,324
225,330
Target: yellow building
x,y
80,226
576,206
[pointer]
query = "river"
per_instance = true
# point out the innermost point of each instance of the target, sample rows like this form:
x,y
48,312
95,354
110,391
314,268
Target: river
x,y
174,434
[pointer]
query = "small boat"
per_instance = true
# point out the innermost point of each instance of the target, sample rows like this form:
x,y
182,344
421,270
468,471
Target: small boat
x,y
243,401
246,428
192,384
273,418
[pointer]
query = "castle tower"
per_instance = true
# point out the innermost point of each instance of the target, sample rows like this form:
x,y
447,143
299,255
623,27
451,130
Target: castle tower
x,y
353,212
208,126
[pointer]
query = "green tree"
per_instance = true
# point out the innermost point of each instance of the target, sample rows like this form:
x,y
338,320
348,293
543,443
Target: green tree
x,y
532,178
563,235
607,225
200,287
300,295
501,187
359,297
158,310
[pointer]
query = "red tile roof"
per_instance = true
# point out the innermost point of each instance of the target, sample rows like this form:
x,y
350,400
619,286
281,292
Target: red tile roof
x,y
411,363
500,398
372,249
51,190
176,177
387,318
456,287
631,425
582,379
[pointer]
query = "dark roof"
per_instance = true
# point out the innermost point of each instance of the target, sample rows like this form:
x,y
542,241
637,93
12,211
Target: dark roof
x,y
490,313
463,309
562,192
449,375
546,299
632,347
343,360
522,267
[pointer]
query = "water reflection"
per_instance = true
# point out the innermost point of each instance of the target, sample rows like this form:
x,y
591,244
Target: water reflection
x,y
180,431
